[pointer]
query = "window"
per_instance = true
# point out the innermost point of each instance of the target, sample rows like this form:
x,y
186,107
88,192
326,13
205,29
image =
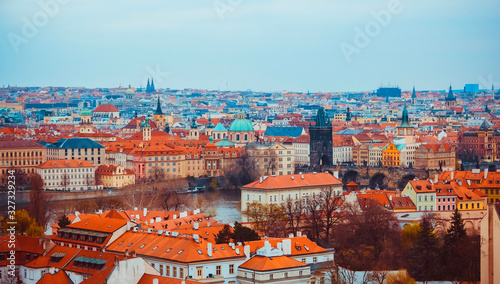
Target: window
x,y
167,270
231,268
174,271
271,276
217,270
161,269
315,259
303,260
181,273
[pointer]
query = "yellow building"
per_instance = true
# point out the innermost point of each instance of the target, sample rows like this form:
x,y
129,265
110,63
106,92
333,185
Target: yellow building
x,y
159,116
111,176
391,156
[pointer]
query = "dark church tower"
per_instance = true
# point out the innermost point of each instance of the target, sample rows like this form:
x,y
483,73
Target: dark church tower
x,y
321,144
450,100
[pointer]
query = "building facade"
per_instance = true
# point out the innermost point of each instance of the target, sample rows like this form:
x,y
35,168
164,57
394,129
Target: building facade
x,y
22,156
68,175
77,148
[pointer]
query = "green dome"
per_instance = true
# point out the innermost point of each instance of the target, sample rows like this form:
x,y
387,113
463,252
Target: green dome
x,y
241,124
224,143
86,111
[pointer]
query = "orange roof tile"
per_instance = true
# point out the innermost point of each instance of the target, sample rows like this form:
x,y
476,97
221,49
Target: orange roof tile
x,y
58,164
58,278
99,224
295,181
262,263
148,279
106,108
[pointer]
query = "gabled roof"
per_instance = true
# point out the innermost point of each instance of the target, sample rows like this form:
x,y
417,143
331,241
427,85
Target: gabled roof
x,y
99,224
263,263
20,144
58,278
74,143
61,164
106,108
422,186
295,181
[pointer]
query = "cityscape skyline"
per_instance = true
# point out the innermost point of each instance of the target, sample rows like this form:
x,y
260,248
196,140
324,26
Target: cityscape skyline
x,y
238,45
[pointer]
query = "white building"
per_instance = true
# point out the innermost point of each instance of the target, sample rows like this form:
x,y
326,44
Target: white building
x,y
278,189
68,175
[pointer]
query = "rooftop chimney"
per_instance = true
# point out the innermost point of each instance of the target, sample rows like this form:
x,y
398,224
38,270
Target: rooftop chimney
x,y
209,224
299,234
486,173
209,249
246,251
145,212
196,238
452,175
336,174
237,251
155,281
196,225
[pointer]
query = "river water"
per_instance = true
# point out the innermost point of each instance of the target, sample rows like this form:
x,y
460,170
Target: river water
x,y
223,205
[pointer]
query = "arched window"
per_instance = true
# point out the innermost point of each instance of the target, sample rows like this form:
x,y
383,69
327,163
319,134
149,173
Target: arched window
x,y
237,137
246,137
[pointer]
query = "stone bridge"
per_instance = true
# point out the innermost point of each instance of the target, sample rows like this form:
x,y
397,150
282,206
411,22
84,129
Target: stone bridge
x,y
381,177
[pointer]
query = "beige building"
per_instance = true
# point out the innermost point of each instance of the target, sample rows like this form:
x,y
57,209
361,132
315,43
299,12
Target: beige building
x,y
111,176
272,158
77,148
68,175
490,245
435,156
22,156
278,189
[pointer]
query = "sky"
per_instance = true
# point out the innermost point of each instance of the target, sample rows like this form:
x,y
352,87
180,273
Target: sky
x,y
262,45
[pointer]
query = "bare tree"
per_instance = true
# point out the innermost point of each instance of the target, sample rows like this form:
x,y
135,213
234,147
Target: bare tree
x,y
293,211
314,216
140,196
65,181
38,201
168,196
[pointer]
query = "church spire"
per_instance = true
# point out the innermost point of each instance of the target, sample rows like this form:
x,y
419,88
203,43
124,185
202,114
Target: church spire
x,y
450,94
152,85
404,120
158,106
148,86
413,95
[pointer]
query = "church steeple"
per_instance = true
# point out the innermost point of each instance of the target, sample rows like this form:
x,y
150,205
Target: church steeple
x,y
348,114
413,96
148,87
404,120
450,99
158,106
152,86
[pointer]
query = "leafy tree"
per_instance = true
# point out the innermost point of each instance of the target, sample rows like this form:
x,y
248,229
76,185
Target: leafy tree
x,y
224,235
402,277
63,222
409,234
244,234
422,258
25,224
266,218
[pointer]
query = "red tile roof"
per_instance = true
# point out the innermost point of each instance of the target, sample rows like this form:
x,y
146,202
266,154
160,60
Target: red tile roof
x,y
59,164
106,108
262,263
295,181
58,278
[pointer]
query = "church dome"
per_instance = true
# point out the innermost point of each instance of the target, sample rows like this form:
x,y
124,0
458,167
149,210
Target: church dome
x,y
241,124
129,91
86,111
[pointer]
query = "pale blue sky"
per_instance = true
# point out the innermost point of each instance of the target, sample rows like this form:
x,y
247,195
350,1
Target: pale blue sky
x,y
250,44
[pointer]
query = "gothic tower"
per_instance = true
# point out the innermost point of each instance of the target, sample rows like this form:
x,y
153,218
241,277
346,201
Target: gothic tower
x,y
405,129
321,143
450,99
159,116
413,97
